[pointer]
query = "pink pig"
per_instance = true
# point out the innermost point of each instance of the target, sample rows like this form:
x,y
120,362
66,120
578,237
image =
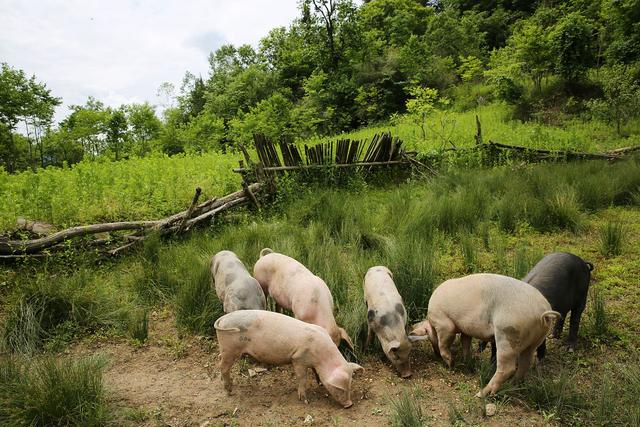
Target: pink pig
x,y
488,307
295,288
276,339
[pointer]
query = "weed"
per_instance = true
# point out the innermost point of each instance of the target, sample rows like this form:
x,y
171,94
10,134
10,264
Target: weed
x,y
49,392
406,411
611,238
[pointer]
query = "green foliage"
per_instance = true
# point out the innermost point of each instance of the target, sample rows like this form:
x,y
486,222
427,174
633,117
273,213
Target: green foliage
x,y
571,44
621,96
50,392
422,105
91,192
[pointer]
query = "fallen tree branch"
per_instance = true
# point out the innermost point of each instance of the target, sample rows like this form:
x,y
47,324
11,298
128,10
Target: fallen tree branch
x,y
189,211
202,211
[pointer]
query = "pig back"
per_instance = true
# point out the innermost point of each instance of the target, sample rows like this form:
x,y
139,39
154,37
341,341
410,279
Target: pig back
x,y
479,303
270,337
562,278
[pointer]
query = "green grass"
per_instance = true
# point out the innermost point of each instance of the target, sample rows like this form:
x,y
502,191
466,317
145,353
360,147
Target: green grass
x,y
49,392
611,238
91,192
53,311
497,125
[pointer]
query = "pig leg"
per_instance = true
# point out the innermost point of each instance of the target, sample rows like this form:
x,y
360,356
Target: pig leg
x,y
226,362
524,363
445,340
370,334
574,325
466,346
506,366
557,330
301,374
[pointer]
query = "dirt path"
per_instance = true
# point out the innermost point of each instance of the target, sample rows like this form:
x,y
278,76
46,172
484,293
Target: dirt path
x,y
173,382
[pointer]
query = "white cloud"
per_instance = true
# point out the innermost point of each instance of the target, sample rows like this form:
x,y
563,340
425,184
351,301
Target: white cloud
x,y
121,51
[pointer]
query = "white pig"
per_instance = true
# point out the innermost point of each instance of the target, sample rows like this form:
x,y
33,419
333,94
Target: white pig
x,y
488,306
276,339
234,285
294,287
387,318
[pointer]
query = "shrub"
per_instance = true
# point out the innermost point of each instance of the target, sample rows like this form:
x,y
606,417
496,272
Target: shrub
x,y
48,392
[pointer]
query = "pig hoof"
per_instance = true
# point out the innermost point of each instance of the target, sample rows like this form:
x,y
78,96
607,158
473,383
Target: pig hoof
x,y
479,394
570,349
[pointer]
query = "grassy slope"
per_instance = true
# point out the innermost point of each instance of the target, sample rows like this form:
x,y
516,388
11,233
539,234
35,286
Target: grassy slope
x,y
154,187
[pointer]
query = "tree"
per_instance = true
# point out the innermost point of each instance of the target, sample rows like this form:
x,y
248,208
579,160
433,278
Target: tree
x,y
25,100
422,104
116,131
572,46
203,133
144,127
621,99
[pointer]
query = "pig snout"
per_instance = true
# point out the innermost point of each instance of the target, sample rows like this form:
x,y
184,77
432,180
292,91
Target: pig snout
x,y
347,404
404,369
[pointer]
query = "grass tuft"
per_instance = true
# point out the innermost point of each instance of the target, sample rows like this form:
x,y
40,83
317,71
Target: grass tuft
x,y
406,411
611,238
197,307
52,393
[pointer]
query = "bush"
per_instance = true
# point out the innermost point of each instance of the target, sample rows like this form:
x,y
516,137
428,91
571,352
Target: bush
x,y
52,393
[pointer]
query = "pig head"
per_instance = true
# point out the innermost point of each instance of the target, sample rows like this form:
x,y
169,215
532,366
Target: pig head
x,y
234,285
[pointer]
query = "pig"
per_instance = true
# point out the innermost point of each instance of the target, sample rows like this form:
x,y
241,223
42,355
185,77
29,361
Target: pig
x,y
234,285
277,339
294,287
563,279
387,318
489,307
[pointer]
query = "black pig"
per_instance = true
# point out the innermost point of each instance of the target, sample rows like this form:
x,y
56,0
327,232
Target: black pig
x,y
563,279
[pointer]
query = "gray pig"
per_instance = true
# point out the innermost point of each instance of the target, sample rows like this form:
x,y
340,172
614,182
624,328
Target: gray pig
x,y
234,285
489,307
386,317
276,339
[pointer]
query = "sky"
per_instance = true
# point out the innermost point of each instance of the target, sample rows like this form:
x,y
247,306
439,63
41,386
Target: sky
x,y
121,51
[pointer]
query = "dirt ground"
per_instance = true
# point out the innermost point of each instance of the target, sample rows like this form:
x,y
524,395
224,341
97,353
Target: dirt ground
x,y
170,381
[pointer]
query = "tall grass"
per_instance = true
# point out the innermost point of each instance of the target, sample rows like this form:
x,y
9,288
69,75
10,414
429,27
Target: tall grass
x,y
598,320
558,394
43,308
51,392
197,306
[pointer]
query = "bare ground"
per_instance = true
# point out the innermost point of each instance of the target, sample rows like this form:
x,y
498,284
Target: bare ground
x,y
176,382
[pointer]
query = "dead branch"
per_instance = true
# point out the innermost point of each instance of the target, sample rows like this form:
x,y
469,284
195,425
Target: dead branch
x,y
189,212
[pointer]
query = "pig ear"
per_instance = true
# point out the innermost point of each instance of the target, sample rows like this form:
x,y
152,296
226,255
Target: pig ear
x,y
355,368
394,346
414,338
390,273
345,336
